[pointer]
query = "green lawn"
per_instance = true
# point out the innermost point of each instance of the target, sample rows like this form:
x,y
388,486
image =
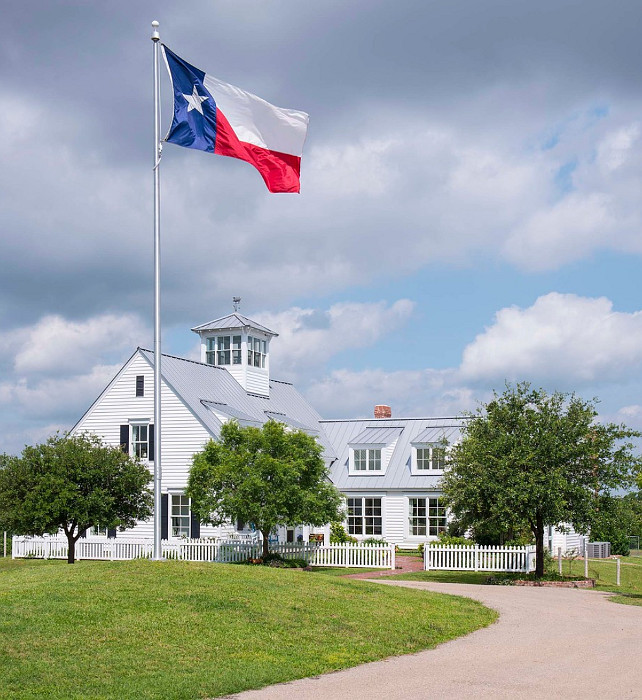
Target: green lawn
x,y
172,630
602,570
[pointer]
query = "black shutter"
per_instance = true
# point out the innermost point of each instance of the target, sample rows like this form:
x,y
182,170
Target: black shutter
x,y
111,532
164,518
151,444
140,385
124,438
84,533
194,526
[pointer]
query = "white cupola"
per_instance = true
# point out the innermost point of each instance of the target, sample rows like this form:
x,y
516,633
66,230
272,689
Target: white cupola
x,y
242,347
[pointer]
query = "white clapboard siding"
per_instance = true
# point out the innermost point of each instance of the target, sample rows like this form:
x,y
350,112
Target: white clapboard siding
x,y
181,431
395,507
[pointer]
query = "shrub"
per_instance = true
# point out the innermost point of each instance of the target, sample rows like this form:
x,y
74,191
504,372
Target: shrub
x,y
338,534
445,539
374,540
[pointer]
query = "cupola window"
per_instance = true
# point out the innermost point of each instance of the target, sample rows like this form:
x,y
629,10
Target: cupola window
x,y
256,352
224,350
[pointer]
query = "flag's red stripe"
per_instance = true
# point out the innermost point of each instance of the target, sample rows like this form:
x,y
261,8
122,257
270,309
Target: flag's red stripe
x,y
279,170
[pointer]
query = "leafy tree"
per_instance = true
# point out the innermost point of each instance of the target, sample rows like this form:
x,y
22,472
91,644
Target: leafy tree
x,y
529,459
266,476
613,520
72,483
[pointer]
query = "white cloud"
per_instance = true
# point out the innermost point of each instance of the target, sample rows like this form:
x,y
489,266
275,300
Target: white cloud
x,y
308,338
347,394
615,148
59,346
562,337
56,398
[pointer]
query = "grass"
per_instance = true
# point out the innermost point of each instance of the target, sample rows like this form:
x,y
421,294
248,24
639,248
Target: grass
x,y
602,570
177,630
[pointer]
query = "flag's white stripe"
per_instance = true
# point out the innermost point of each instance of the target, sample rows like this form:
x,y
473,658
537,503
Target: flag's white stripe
x,y
258,122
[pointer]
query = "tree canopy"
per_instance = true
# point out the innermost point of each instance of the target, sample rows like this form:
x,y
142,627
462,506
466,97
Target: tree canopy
x,y
530,459
266,476
72,483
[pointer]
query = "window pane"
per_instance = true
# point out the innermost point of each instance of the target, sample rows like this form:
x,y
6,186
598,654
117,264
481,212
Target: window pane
x,y
438,457
236,342
374,461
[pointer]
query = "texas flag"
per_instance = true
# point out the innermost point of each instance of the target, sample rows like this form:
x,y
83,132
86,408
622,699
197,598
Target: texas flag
x,y
212,116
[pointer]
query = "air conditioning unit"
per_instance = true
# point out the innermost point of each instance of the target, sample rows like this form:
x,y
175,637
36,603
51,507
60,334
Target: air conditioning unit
x,y
599,550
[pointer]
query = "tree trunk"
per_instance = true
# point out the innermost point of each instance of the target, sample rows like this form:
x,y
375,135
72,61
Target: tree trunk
x,y
71,550
539,547
266,542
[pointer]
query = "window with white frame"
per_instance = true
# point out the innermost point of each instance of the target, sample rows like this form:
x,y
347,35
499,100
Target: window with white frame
x,y
430,458
180,515
97,531
140,441
427,516
256,352
223,350
366,460
364,516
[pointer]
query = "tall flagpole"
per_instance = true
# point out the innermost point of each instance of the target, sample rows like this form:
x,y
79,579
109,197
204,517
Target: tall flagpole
x,y
157,326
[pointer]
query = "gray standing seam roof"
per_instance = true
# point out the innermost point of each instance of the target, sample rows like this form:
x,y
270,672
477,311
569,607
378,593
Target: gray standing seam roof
x,y
343,433
234,320
434,435
377,436
197,384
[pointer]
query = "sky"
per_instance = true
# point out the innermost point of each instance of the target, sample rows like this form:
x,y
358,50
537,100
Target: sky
x,y
470,206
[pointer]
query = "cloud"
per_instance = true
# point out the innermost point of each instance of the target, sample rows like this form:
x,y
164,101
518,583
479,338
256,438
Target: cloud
x,y
56,398
423,393
562,338
59,346
308,338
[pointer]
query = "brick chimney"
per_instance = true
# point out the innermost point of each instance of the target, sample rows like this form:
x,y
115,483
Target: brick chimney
x,y
382,412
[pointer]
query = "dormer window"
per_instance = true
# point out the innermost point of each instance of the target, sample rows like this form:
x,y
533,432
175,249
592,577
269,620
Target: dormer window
x,y
367,460
428,458
223,350
256,352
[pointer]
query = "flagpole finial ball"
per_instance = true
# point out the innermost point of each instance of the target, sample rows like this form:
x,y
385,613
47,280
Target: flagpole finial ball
x,y
155,34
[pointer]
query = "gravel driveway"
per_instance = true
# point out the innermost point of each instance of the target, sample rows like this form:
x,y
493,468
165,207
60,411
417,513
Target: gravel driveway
x,y
547,643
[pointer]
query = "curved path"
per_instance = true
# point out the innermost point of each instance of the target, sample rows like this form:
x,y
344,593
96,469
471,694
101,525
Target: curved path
x,y
547,643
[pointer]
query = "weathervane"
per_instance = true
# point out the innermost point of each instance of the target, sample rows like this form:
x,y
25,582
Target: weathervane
x,y
236,302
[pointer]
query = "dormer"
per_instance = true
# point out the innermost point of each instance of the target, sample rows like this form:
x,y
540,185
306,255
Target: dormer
x,y
242,347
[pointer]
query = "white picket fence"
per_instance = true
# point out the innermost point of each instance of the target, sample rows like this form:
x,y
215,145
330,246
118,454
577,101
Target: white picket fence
x,y
478,558
222,551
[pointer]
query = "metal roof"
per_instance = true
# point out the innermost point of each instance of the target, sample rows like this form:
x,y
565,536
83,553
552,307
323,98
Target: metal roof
x,y
293,423
432,435
343,433
207,388
231,321
230,412
376,435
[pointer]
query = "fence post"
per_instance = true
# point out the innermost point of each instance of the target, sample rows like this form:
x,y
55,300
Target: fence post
x,y
476,557
394,563
559,561
585,561
617,572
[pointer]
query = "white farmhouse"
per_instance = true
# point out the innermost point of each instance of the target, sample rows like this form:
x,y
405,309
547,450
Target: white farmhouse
x,y
388,468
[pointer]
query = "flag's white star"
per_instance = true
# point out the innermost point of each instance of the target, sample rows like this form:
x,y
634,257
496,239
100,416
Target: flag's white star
x,y
194,100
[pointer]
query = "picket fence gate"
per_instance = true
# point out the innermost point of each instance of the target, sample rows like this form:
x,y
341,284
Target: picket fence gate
x,y
222,551
478,558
